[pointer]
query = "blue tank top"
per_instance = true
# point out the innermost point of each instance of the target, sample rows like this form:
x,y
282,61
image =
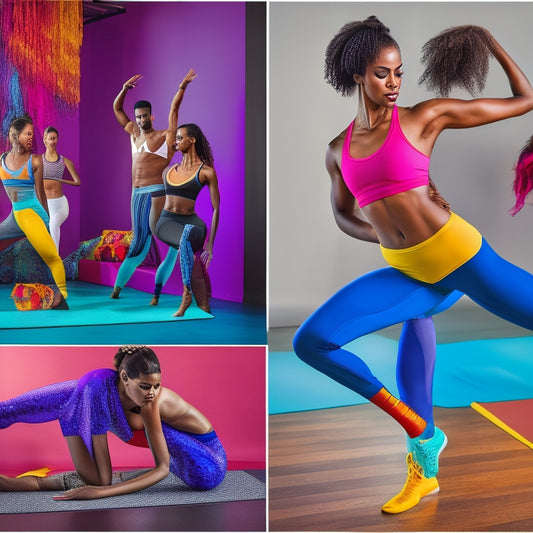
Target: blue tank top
x,y
23,177
188,189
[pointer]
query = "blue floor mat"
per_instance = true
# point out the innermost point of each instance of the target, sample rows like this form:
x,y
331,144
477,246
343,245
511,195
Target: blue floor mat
x,y
90,304
94,318
486,370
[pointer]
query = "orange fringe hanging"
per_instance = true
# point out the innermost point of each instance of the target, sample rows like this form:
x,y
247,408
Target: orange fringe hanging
x,y
44,46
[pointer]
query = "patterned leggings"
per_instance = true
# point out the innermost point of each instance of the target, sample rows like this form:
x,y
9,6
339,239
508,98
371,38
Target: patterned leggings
x,y
185,233
141,204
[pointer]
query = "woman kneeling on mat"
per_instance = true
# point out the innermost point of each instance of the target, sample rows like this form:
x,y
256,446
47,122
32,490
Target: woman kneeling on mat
x,y
131,403
179,226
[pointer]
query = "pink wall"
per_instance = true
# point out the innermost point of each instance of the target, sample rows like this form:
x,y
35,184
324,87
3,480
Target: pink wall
x,y
227,384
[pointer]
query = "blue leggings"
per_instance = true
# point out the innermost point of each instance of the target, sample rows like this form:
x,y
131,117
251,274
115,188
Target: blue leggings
x,y
141,204
386,297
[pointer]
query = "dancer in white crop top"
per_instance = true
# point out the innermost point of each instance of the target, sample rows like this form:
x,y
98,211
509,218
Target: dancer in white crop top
x,y
152,151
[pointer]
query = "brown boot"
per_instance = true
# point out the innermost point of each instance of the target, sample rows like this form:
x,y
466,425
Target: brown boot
x,y
186,301
201,285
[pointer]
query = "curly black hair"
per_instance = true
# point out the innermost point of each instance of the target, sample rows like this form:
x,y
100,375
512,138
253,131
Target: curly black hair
x,y
457,57
353,48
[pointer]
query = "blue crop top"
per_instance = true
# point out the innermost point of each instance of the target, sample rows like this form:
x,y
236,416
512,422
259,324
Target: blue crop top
x,y
23,177
189,188
397,166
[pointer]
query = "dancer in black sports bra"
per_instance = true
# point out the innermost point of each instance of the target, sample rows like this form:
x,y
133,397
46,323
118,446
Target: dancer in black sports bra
x,y
180,227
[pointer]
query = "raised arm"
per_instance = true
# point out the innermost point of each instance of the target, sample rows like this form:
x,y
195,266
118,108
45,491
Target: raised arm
x,y
345,209
175,106
118,103
453,113
72,171
212,182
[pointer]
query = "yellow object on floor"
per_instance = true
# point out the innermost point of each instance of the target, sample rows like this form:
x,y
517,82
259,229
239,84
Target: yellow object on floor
x,y
40,472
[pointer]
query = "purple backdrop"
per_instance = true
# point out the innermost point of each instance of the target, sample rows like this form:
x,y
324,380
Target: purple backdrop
x,y
161,41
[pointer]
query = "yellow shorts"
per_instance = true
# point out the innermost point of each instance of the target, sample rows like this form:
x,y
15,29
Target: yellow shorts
x,y
445,251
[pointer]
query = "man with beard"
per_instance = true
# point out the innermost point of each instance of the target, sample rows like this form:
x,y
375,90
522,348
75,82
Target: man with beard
x,y
152,151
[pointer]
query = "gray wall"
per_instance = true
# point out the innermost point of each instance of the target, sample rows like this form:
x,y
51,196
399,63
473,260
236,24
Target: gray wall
x,y
309,257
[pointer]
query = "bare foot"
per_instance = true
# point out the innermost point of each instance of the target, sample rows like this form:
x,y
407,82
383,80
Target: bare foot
x,y
59,302
115,293
155,300
186,301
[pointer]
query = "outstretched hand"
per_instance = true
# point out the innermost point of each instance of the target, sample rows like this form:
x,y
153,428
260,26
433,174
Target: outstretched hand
x,y
188,78
132,82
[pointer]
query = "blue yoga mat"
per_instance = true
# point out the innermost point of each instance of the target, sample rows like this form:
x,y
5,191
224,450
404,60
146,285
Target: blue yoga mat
x,y
486,370
90,304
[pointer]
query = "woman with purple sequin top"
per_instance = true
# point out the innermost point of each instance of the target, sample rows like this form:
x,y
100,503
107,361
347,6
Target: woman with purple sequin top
x,y
131,403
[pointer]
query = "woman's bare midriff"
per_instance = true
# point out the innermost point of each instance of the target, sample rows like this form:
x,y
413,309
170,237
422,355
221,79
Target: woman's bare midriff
x,y
179,205
53,188
405,219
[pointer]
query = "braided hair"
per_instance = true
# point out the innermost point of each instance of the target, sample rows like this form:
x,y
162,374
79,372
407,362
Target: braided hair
x,y
203,148
457,57
136,360
353,48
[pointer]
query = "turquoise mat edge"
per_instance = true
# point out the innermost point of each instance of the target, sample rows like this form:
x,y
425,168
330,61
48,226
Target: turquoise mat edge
x,y
485,370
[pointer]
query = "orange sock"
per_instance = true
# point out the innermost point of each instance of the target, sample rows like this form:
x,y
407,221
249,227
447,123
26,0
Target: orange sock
x,y
413,424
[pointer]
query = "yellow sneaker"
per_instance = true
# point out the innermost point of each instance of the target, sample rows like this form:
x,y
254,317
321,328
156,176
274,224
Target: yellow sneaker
x,y
416,487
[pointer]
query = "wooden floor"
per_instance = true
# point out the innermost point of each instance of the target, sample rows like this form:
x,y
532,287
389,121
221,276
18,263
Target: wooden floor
x,y
332,470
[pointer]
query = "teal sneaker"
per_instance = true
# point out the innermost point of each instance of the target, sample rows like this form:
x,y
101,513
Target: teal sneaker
x,y
426,452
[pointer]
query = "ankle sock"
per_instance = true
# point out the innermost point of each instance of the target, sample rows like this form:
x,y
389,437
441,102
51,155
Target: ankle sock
x,y
413,424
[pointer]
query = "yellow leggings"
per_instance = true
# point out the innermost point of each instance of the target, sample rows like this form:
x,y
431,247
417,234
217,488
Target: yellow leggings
x,y
38,236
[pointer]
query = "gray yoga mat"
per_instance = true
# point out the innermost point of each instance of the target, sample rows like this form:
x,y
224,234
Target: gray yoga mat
x,y
236,486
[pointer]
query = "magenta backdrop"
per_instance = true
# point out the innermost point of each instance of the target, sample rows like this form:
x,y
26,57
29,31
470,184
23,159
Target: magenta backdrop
x,y
161,41
227,384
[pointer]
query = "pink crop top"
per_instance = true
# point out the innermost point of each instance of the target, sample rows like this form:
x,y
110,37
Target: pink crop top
x,y
397,166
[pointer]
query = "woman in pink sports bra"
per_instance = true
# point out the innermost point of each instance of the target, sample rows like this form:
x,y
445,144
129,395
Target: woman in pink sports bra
x,y
379,170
